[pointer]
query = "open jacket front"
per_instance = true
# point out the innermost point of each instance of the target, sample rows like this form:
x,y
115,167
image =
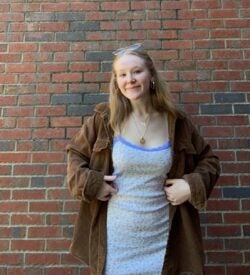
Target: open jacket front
x,y
89,159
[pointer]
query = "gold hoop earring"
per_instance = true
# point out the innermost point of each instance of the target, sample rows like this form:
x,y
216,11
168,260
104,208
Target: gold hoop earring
x,y
152,85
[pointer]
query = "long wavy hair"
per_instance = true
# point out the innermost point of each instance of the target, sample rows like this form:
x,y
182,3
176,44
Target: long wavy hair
x,y
120,106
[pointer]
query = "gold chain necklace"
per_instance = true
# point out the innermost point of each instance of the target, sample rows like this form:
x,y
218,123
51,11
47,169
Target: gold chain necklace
x,y
146,123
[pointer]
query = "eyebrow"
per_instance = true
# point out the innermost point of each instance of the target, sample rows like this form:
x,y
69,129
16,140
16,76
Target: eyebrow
x,y
133,68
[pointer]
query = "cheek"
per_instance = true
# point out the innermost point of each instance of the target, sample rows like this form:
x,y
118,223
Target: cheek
x,y
119,83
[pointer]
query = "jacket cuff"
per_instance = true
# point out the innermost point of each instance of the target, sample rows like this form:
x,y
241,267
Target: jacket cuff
x,y
94,182
198,192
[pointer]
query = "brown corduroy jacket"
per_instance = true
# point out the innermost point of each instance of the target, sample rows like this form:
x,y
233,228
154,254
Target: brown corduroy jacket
x,y
89,159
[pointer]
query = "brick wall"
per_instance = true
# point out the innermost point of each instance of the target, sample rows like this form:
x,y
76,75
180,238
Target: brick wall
x,y
54,67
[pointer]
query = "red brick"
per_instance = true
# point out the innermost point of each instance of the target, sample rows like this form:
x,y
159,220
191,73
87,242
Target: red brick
x,y
5,169
19,111
175,24
210,86
33,78
87,6
224,257
55,7
8,78
6,100
176,5
66,122
96,77
243,155
194,54
21,68
192,14
59,145
11,258
225,75
223,205
27,245
242,131
34,100
66,271
215,270
147,25
226,54
47,157
54,47
85,67
50,111
33,145
8,58
67,77
28,194
48,133
42,259
215,34
115,6
14,157
7,206
15,134
32,122
224,230
57,169
240,269
51,67
240,86
217,131
123,25
58,245
226,155
207,23
232,120
31,169
236,218
160,34
213,244
44,232
245,179
27,219
236,167
58,194
222,13
45,206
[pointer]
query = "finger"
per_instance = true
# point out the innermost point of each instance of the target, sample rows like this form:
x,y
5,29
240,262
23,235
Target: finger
x,y
112,190
109,177
169,183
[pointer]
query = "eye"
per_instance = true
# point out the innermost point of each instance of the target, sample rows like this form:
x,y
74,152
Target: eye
x,y
137,72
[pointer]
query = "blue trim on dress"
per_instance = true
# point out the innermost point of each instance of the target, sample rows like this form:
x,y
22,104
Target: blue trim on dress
x,y
128,143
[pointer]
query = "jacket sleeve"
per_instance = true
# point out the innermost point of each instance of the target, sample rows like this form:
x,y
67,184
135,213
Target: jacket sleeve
x,y
83,182
206,170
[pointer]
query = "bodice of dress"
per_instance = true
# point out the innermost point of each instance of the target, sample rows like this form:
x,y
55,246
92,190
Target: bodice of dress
x,y
138,218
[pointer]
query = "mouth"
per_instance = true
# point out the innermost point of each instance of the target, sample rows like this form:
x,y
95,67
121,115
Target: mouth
x,y
131,88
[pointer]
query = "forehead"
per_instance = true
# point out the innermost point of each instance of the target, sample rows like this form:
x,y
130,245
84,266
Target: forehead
x,y
128,61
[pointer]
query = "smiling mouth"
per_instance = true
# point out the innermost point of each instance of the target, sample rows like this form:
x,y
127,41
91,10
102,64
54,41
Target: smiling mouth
x,y
130,88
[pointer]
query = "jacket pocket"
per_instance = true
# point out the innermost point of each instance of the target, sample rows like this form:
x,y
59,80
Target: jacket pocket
x,y
100,145
190,156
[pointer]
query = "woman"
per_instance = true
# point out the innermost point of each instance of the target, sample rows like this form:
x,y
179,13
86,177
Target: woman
x,y
141,171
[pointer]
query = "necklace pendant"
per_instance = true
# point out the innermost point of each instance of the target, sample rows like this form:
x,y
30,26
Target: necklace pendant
x,y
142,140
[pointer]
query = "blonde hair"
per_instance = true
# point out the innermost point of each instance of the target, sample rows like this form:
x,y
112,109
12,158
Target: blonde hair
x,y
120,106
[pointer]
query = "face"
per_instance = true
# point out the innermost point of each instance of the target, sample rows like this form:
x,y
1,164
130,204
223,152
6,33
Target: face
x,y
133,77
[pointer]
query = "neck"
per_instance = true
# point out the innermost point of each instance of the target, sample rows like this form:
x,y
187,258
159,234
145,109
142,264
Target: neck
x,y
142,110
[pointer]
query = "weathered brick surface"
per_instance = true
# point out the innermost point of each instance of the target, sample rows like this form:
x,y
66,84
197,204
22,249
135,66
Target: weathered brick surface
x,y
55,62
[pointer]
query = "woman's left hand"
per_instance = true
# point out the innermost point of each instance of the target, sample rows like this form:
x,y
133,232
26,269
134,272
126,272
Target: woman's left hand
x,y
177,191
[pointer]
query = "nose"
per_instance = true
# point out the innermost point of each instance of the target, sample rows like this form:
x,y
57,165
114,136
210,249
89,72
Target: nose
x,y
131,78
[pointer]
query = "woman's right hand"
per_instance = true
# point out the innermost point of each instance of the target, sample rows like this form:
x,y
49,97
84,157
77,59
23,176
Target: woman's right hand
x,y
108,189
